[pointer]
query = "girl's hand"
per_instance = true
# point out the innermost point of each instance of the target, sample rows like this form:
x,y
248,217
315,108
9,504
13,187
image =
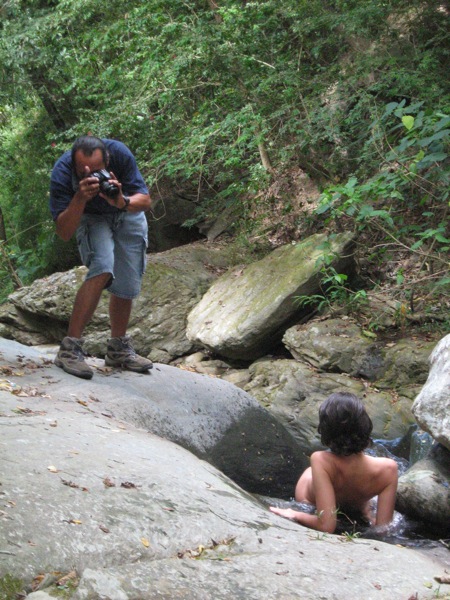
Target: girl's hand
x,y
288,513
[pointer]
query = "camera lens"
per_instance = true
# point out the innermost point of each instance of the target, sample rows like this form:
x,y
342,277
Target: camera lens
x,y
109,189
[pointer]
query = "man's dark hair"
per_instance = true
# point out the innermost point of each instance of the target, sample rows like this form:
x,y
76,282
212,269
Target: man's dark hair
x,y
88,144
344,424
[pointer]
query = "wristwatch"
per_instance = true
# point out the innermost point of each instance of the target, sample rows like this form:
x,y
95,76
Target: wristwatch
x,y
126,199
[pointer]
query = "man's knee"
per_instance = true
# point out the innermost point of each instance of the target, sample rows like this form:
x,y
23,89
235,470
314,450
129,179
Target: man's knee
x,y
101,281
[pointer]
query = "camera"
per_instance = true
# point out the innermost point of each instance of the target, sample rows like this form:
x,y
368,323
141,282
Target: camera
x,y
107,188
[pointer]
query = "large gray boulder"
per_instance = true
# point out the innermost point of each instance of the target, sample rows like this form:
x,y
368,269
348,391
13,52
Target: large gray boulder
x,y
138,517
341,345
173,283
432,406
213,419
293,391
424,490
336,345
246,311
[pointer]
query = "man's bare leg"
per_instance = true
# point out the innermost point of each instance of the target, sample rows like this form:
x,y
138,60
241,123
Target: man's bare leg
x,y
70,356
119,314
120,352
86,302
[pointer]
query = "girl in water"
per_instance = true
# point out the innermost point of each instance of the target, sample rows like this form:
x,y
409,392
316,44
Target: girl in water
x,y
344,476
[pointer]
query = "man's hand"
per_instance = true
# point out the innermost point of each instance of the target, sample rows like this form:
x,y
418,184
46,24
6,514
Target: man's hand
x,y
118,201
68,221
88,187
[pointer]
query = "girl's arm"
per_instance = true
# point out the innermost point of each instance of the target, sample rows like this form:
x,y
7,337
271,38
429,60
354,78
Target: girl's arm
x,y
386,498
325,517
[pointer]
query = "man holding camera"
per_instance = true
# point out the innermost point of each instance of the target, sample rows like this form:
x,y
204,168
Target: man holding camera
x,y
98,193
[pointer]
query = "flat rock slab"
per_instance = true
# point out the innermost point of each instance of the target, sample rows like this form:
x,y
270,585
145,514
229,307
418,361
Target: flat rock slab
x,y
212,418
138,516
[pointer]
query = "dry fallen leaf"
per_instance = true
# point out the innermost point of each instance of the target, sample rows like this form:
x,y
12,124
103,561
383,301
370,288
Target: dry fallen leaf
x,y
443,579
145,542
20,410
7,386
36,581
6,370
105,370
186,368
28,392
128,485
103,528
69,483
108,483
197,552
71,577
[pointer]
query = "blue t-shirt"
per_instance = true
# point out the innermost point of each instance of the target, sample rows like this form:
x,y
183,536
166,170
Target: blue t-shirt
x,y
64,183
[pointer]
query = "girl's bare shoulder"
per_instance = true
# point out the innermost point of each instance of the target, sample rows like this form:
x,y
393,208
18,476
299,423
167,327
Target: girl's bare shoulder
x,y
320,455
381,461
381,465
323,458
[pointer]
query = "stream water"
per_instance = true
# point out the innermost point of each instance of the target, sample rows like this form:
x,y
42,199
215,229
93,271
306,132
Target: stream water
x,y
402,530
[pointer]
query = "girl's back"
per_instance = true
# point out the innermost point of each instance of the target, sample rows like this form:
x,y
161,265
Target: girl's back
x,y
357,478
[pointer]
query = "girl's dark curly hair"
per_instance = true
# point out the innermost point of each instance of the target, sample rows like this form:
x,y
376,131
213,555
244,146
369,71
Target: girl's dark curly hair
x,y
344,424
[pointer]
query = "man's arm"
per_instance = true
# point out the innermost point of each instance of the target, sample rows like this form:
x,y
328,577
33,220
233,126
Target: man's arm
x,y
69,219
138,203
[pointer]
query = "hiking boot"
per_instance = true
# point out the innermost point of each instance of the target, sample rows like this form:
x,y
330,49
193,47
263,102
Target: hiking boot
x,y
120,353
70,358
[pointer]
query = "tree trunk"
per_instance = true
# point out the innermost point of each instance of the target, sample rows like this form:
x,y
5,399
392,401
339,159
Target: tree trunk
x,y
4,256
53,100
215,7
265,157
265,160
2,227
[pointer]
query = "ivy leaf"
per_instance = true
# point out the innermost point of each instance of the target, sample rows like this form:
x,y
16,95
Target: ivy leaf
x,y
369,334
408,122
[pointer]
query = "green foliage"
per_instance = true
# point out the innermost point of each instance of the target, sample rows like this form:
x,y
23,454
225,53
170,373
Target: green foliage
x,y
407,200
227,100
413,170
10,587
25,163
335,293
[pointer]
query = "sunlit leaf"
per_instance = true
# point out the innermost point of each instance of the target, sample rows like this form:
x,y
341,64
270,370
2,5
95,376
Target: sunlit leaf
x,y
408,121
